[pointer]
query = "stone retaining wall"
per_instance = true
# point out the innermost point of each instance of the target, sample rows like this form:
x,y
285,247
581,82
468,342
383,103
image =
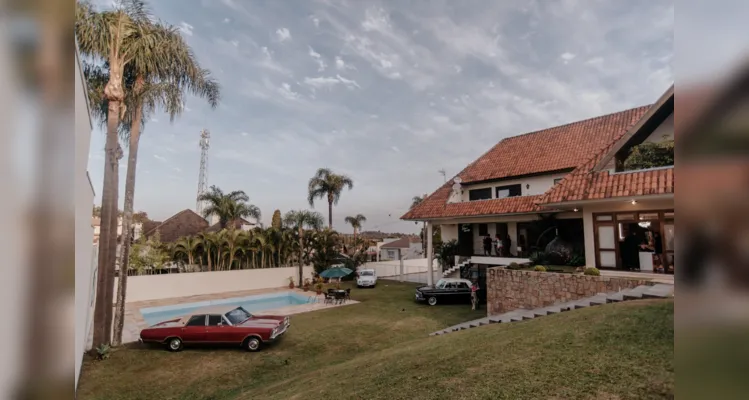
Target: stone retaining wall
x,y
509,290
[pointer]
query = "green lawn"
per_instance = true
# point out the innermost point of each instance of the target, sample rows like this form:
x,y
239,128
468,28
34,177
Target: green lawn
x,y
379,349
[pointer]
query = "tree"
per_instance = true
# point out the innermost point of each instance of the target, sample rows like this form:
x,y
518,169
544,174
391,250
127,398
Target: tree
x,y
276,221
325,244
113,36
415,201
228,207
298,220
356,222
326,184
189,246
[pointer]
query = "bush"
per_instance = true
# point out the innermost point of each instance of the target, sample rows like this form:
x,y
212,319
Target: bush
x,y
650,155
577,260
513,265
102,352
592,272
539,268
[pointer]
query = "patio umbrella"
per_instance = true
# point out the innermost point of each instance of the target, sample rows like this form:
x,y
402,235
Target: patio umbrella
x,y
336,272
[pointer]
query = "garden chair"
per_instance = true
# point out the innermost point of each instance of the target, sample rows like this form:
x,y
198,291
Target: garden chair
x,y
340,297
348,294
329,297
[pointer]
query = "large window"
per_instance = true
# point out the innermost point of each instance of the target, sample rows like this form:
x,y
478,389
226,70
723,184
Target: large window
x,y
196,320
508,191
480,194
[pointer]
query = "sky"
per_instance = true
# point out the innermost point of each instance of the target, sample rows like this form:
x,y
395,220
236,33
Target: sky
x,y
386,92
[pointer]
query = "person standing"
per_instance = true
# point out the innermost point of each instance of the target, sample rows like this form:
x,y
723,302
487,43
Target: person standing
x,y
498,245
487,245
506,243
474,295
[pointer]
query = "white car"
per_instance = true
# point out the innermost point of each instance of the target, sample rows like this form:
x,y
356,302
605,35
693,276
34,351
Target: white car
x,y
366,278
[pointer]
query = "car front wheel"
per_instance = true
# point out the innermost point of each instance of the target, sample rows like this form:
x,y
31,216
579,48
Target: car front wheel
x,y
432,301
174,344
253,344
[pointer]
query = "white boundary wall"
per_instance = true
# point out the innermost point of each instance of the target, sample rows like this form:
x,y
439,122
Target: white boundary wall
x,y
165,286
392,268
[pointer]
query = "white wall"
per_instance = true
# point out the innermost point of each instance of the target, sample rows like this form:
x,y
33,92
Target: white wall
x,y
392,268
536,185
449,232
664,131
84,232
614,206
165,286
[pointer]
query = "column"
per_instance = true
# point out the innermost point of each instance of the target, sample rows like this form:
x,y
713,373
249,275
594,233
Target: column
x,y
430,255
400,257
512,231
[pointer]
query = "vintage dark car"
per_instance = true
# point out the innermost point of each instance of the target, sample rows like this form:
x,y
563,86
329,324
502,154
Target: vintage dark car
x,y
218,325
446,291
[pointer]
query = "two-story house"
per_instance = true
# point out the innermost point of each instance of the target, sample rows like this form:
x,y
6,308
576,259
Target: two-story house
x,y
565,181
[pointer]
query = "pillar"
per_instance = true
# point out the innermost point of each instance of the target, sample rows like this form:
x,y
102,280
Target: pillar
x,y
512,231
430,255
400,257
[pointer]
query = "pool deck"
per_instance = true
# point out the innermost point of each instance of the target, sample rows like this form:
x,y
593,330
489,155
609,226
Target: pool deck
x,y
134,321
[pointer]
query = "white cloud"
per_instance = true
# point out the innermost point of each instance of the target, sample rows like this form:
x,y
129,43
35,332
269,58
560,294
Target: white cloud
x,y
235,43
283,34
395,149
245,134
348,82
321,65
321,82
567,57
227,20
176,169
342,65
186,28
376,20
154,120
458,69
287,93
160,158
316,21
187,109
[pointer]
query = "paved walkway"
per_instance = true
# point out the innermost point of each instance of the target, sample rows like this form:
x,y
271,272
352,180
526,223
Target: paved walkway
x,y
134,321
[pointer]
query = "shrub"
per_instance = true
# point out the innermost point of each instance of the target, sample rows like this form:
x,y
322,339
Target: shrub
x,y
592,271
102,352
513,265
539,268
650,155
577,260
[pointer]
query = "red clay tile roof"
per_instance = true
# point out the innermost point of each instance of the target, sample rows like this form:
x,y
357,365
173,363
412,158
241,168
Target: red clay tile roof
x,y
184,223
554,149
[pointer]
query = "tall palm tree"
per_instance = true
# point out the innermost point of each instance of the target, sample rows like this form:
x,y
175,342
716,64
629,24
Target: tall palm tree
x,y
356,223
326,184
207,244
114,36
298,220
228,206
232,242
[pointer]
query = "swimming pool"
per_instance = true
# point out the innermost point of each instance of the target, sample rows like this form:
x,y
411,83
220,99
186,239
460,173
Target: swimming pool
x,y
154,315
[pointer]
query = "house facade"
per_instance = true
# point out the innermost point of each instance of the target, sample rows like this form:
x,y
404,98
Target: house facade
x,y
407,247
565,182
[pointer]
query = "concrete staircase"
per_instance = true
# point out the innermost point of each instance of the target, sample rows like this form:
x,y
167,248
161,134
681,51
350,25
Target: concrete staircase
x,y
658,291
446,273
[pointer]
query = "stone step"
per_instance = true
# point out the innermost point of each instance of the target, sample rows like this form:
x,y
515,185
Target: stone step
x,y
660,290
635,293
598,299
615,297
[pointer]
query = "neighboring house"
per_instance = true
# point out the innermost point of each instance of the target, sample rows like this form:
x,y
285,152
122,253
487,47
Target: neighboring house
x,y
85,260
564,180
137,228
409,248
185,223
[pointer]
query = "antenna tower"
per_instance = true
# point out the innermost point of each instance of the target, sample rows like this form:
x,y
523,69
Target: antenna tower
x,y
205,138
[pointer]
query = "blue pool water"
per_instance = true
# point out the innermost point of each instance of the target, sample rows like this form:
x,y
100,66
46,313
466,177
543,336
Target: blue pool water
x,y
154,315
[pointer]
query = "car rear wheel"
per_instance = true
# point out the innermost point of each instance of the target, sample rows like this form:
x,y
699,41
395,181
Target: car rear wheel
x,y
174,344
252,344
432,301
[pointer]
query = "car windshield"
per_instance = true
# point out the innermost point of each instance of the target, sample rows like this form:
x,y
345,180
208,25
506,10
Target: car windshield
x,y
441,284
366,273
238,315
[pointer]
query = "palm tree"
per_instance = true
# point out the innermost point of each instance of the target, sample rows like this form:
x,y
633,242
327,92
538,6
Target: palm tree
x,y
232,242
327,184
298,220
228,207
114,36
188,246
356,222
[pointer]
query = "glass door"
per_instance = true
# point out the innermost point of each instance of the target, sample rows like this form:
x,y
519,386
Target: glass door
x,y
605,241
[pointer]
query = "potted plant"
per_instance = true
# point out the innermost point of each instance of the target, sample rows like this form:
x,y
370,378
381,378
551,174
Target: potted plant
x,y
318,286
306,284
291,282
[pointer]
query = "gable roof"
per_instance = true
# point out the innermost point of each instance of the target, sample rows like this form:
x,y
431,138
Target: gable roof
x,y
184,223
591,181
402,243
560,148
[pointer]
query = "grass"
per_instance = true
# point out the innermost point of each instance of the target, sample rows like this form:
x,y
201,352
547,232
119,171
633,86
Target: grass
x,y
379,349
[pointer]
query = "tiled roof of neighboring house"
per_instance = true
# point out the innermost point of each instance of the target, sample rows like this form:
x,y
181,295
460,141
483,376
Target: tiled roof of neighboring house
x,y
555,149
237,225
149,225
402,243
184,223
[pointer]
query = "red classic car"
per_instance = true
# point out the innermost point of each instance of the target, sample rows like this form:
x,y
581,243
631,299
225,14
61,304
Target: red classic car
x,y
219,325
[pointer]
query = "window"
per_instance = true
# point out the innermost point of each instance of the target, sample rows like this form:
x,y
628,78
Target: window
x,y
196,320
462,285
557,180
238,315
214,320
483,229
508,191
480,194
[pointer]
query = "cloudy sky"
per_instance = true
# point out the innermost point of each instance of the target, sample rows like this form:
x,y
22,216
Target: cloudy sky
x,y
388,93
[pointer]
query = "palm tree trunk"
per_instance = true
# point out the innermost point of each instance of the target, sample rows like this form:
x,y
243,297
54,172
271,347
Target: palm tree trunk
x,y
127,218
301,249
330,213
208,256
